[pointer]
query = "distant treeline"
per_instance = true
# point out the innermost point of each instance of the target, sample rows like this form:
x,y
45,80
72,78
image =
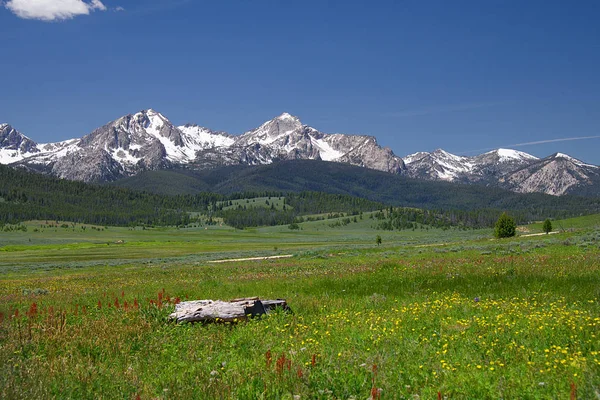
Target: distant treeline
x,y
27,196
31,196
297,176
411,218
300,204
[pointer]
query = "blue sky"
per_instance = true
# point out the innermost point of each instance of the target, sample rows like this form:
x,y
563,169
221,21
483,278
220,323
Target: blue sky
x,y
465,76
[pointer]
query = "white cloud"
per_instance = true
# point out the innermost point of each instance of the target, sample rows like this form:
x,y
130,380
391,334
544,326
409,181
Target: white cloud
x,y
119,8
52,10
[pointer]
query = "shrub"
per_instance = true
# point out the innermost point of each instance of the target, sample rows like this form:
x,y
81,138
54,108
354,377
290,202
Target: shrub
x,y
547,227
505,227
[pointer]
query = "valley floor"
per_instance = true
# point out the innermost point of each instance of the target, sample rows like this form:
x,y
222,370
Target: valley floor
x,y
427,313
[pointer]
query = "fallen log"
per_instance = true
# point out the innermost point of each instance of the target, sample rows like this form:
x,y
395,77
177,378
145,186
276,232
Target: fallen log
x,y
225,311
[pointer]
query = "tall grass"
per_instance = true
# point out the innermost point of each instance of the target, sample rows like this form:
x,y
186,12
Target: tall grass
x,y
482,319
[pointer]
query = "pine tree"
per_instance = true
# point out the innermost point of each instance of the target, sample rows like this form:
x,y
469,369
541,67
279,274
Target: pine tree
x,y
505,227
547,227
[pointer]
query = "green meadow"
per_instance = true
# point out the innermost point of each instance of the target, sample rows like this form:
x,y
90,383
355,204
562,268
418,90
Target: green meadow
x,y
428,313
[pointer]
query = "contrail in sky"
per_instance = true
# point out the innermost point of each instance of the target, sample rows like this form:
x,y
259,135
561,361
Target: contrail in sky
x,y
538,142
555,140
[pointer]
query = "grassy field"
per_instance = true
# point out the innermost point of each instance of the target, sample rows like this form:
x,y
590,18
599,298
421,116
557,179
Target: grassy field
x,y
429,313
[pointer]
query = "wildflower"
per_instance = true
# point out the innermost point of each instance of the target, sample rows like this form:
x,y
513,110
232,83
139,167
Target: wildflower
x,y
32,310
269,358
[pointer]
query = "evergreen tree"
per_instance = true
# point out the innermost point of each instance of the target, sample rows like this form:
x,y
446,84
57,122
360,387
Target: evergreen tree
x,y
547,227
505,227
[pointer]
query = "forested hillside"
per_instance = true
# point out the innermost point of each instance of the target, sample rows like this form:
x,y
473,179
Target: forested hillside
x,y
295,206
28,196
391,189
330,189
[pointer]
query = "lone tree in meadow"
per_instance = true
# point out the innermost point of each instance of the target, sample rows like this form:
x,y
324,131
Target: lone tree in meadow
x,y
505,227
547,227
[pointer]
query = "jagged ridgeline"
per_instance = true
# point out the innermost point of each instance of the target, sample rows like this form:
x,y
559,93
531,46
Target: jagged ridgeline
x,y
147,140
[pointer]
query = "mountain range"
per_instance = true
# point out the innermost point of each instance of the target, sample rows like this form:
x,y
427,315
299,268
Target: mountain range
x,y
147,141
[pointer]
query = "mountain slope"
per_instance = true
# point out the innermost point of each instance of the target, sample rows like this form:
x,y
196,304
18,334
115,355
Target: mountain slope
x,y
14,146
147,140
441,165
338,178
557,174
286,138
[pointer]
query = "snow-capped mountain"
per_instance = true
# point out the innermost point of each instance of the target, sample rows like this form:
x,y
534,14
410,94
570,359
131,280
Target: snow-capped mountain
x,y
147,140
286,138
438,165
557,174
441,165
514,170
493,165
14,146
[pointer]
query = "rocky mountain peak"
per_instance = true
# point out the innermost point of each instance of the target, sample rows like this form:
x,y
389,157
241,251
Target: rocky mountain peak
x,y
281,125
509,154
561,157
11,139
287,116
278,129
148,140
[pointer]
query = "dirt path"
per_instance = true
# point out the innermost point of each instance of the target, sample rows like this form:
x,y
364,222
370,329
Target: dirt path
x,y
539,234
252,258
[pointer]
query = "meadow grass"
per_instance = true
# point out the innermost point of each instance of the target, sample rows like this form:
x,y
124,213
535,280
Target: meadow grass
x,y
433,313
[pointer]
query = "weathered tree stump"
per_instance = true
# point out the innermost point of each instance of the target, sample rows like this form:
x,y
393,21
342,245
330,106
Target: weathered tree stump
x,y
224,311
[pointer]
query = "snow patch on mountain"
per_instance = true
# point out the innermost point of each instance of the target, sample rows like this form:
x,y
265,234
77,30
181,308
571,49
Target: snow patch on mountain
x,y
157,121
438,165
124,156
509,155
409,159
326,152
200,138
54,151
14,146
271,131
10,156
148,140
574,160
